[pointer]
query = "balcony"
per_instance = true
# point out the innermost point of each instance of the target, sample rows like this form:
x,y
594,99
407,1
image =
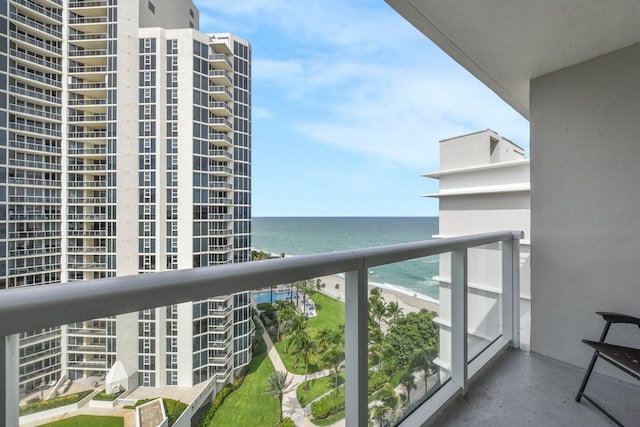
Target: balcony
x,y
220,93
220,108
63,304
219,60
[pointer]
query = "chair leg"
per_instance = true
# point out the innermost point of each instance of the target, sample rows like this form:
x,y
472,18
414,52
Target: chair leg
x,y
603,336
586,376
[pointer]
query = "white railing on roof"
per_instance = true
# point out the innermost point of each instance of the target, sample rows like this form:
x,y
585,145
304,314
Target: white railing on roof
x,y
32,308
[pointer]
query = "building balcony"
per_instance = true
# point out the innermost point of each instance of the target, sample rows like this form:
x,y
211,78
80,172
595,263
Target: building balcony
x,y
88,118
220,61
30,164
38,130
47,15
220,124
39,96
220,93
87,249
223,155
32,308
45,31
35,44
36,61
37,113
220,108
33,78
221,77
220,138
220,170
82,4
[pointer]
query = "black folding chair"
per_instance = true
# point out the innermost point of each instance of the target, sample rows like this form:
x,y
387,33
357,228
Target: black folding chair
x,y
626,359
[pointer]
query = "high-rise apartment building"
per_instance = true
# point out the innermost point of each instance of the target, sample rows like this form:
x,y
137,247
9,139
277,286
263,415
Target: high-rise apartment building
x,y
125,148
483,187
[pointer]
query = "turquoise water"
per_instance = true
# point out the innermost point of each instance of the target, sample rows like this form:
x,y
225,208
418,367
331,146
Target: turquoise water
x,y
304,236
265,297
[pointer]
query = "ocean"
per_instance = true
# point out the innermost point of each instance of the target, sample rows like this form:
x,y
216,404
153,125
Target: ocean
x,y
311,235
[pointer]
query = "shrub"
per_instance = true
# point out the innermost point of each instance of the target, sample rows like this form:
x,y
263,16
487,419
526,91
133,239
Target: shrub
x,y
287,422
222,394
174,409
108,397
376,381
328,405
56,402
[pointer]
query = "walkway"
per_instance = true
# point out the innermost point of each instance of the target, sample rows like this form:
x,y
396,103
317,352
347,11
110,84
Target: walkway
x,y
290,405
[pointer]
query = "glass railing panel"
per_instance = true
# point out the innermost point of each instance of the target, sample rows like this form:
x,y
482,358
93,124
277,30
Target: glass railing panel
x,y
484,297
405,349
305,322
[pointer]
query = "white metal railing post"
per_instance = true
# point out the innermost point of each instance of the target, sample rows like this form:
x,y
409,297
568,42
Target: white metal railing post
x,y
9,381
459,312
511,290
356,355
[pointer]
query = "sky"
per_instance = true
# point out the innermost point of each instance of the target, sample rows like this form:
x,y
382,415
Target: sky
x,y
349,103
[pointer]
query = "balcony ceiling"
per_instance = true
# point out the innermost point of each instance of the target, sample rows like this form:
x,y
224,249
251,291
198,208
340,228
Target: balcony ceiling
x,y
505,43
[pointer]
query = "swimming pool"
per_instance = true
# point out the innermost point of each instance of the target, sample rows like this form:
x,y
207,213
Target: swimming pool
x,y
265,297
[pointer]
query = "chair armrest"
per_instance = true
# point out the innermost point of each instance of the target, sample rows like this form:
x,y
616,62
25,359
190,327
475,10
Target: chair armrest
x,y
619,318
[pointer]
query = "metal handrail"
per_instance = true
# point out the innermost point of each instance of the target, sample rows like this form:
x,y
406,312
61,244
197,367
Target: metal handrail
x,y
65,303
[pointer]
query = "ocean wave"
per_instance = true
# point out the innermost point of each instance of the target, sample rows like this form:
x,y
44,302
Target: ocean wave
x,y
403,290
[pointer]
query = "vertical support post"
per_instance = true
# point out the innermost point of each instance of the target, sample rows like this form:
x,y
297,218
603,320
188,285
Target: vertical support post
x,y
511,291
356,339
9,381
459,316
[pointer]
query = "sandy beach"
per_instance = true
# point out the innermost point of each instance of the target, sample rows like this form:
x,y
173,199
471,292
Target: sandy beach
x,y
408,303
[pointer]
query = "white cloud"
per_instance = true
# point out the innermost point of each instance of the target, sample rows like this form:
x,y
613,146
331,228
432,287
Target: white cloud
x,y
399,116
356,76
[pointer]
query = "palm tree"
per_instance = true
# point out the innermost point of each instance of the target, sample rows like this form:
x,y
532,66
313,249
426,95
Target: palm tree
x,y
334,357
375,342
379,413
295,326
286,314
304,346
324,339
423,359
377,309
408,380
393,312
277,385
387,397
376,292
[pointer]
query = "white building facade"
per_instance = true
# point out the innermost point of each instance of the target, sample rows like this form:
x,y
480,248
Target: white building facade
x,y
125,147
484,186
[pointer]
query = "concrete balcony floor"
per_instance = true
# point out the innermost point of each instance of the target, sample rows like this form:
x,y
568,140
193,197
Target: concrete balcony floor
x,y
521,389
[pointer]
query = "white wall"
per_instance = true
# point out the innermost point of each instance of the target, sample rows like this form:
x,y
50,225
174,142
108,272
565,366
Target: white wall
x,y
585,198
169,14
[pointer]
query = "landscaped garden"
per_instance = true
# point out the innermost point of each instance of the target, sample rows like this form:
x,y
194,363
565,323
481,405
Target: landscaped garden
x,y
250,405
401,350
56,402
88,420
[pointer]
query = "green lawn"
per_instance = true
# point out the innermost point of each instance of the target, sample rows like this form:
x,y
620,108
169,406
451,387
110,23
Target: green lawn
x,y
88,420
250,405
330,314
317,388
